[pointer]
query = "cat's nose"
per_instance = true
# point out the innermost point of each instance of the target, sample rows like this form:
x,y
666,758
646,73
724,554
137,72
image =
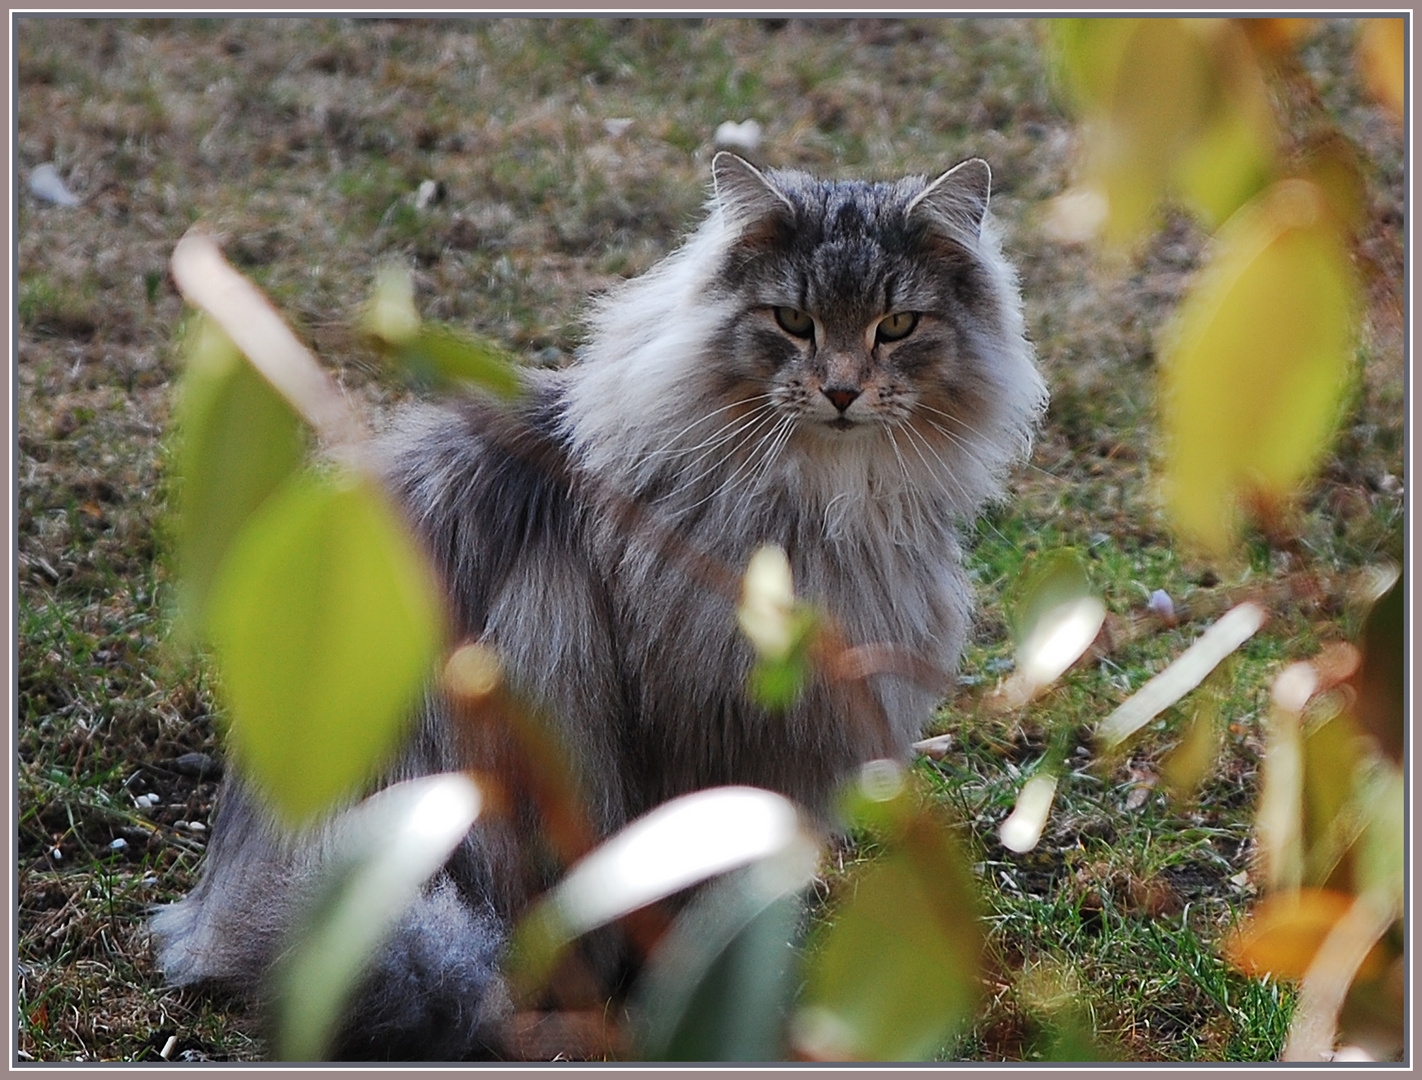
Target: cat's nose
x,y
841,397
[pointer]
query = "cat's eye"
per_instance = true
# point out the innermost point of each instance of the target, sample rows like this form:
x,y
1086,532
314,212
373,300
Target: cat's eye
x,y
794,321
896,327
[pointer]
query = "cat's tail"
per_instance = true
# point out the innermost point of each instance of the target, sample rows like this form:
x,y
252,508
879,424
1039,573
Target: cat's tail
x,y
432,992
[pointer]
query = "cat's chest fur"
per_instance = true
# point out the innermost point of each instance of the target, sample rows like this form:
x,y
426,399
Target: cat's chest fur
x,y
882,567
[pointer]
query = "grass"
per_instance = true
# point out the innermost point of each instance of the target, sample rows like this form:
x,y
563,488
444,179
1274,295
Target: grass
x,y
302,146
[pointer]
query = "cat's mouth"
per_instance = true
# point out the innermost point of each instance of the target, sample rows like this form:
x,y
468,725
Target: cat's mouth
x,y
841,423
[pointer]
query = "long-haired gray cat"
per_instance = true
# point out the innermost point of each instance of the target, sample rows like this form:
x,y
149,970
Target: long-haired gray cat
x,y
838,368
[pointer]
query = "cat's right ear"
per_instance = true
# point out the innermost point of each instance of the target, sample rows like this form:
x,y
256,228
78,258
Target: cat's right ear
x,y
752,204
958,200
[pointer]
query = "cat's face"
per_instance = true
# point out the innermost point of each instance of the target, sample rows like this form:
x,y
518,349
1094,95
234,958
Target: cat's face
x,y
862,311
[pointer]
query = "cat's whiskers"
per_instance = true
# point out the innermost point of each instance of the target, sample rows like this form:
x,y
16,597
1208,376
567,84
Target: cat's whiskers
x,y
970,429
670,448
742,428
756,434
777,431
959,437
776,440
956,438
963,445
894,445
967,447
937,469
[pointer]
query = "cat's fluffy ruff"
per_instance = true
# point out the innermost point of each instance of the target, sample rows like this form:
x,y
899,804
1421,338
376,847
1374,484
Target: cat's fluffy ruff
x,y
748,390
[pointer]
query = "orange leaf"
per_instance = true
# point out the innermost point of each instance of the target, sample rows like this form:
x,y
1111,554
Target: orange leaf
x,y
1282,934
1382,55
1276,36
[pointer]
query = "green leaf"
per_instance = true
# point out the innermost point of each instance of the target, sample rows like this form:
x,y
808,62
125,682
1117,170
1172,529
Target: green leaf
x,y
325,623
435,355
679,844
781,629
1381,707
440,356
1255,364
1070,1038
238,440
1055,618
896,975
1190,762
1381,863
384,850
776,684
1332,770
719,987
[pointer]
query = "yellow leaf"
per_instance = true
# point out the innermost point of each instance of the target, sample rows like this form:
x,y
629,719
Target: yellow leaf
x,y
1329,160
1085,55
1192,760
1171,108
1255,363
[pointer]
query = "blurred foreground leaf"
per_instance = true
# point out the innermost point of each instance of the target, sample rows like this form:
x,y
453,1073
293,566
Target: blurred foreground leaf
x,y
1186,671
385,850
780,629
1350,992
1055,619
1282,934
1058,1005
896,974
1190,762
1279,822
1255,364
720,984
1332,770
1173,108
1022,828
1381,706
679,844
435,355
325,622
1381,864
256,328
1382,54
1331,829
238,441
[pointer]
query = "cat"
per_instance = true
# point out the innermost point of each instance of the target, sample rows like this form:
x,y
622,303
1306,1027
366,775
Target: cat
x,y
839,368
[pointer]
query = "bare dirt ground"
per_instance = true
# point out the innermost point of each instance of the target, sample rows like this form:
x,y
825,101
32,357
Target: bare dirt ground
x,y
567,155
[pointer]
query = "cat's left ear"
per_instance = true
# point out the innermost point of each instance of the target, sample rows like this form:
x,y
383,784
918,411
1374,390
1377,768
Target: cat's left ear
x,y
746,196
958,198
